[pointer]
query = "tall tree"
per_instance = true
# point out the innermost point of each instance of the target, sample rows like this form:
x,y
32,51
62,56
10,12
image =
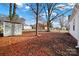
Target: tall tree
x,y
37,5
12,16
61,21
36,9
14,10
10,11
49,8
48,11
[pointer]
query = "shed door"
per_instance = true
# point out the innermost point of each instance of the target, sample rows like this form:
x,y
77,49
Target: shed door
x,y
7,29
18,29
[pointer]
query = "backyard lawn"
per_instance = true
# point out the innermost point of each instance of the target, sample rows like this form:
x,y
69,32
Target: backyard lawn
x,y
45,44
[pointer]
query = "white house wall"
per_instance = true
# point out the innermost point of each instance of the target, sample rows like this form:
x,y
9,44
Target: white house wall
x,y
78,28
27,27
75,33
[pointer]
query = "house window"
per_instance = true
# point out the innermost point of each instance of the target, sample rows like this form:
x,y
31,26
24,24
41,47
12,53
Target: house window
x,y
74,25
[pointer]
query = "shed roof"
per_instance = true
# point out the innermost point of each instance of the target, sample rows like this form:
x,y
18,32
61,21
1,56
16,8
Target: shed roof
x,y
14,20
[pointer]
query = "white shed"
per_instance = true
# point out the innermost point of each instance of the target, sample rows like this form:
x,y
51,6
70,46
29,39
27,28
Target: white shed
x,y
9,28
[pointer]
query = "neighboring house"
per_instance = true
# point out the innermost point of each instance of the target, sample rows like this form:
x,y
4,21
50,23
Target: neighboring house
x,y
27,27
41,26
63,22
74,23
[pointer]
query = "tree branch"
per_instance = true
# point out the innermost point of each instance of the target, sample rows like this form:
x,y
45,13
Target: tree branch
x,y
32,8
60,15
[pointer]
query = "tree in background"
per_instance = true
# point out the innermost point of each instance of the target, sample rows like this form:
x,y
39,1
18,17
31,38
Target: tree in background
x,y
49,9
14,10
10,11
36,9
48,12
12,16
61,21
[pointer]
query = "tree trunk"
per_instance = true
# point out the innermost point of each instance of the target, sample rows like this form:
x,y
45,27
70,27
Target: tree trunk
x,y
48,26
37,19
14,10
10,11
14,14
48,21
36,26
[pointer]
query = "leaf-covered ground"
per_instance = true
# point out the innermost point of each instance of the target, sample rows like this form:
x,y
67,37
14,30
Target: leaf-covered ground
x,y
45,44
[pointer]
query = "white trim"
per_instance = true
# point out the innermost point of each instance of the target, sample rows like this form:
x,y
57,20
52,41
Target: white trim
x,y
77,47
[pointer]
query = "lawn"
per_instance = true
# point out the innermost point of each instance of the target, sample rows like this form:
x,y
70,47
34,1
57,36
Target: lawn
x,y
45,44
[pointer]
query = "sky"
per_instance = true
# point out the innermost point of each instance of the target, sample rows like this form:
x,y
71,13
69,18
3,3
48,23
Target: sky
x,y
24,11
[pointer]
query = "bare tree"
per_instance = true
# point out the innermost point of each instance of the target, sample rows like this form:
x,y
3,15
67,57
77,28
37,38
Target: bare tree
x,y
49,8
36,9
48,11
61,21
12,16
14,10
10,11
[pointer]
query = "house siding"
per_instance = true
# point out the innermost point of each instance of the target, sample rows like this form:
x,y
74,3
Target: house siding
x,y
75,33
10,29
